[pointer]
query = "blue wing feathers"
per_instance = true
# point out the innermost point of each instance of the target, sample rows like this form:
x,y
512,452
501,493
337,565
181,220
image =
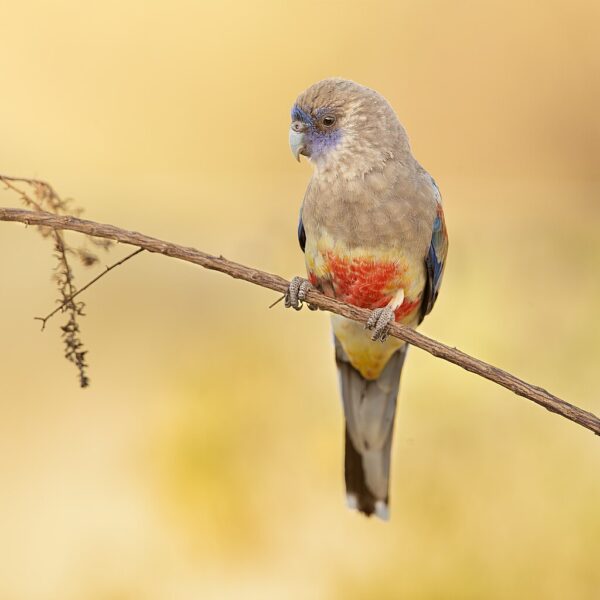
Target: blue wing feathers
x,y
434,262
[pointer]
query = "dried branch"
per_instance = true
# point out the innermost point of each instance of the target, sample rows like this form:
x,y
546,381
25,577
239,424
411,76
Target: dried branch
x,y
41,196
47,199
279,284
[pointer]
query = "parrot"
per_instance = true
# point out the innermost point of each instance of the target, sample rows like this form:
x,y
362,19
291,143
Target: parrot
x,y
373,235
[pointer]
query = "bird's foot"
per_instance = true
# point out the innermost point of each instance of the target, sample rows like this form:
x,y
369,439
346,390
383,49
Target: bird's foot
x,y
296,293
379,322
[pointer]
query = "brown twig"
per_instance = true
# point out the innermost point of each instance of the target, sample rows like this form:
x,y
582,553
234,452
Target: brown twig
x,y
67,301
277,301
279,284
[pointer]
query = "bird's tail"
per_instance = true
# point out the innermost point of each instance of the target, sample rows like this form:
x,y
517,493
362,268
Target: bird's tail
x,y
369,408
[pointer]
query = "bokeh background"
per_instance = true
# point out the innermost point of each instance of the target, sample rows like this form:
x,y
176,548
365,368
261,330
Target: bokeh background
x,y
205,460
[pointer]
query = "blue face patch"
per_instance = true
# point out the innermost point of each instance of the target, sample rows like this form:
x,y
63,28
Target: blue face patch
x,y
319,141
322,141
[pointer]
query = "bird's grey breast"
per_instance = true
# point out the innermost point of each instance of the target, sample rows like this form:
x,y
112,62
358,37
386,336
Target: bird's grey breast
x,y
388,208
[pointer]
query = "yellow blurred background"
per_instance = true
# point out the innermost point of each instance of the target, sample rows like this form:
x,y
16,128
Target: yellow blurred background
x,y
205,460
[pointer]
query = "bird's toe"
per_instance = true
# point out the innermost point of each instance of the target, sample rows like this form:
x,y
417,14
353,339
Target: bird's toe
x,y
296,293
379,322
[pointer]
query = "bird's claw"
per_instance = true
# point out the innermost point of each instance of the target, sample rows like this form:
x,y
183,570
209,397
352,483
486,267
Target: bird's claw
x,y
379,322
296,293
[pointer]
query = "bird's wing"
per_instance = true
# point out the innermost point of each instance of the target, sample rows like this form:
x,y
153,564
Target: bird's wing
x,y
434,262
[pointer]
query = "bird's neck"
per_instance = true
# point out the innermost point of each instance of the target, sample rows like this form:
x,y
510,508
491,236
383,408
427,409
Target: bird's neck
x,y
351,170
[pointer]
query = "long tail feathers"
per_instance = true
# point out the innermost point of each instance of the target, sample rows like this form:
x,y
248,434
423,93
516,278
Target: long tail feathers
x,y
369,408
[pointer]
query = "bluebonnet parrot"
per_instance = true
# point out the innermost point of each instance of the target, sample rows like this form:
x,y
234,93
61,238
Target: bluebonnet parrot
x,y
373,234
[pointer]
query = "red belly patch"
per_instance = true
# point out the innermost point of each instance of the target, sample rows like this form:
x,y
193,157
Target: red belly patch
x,y
361,281
368,284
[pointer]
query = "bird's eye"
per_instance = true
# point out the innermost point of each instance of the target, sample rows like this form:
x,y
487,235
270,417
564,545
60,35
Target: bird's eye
x,y
329,120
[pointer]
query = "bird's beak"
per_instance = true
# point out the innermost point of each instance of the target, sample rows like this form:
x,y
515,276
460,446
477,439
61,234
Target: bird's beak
x,y
297,144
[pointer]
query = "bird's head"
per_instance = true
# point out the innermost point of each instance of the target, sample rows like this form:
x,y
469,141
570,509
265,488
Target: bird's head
x,y
345,127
